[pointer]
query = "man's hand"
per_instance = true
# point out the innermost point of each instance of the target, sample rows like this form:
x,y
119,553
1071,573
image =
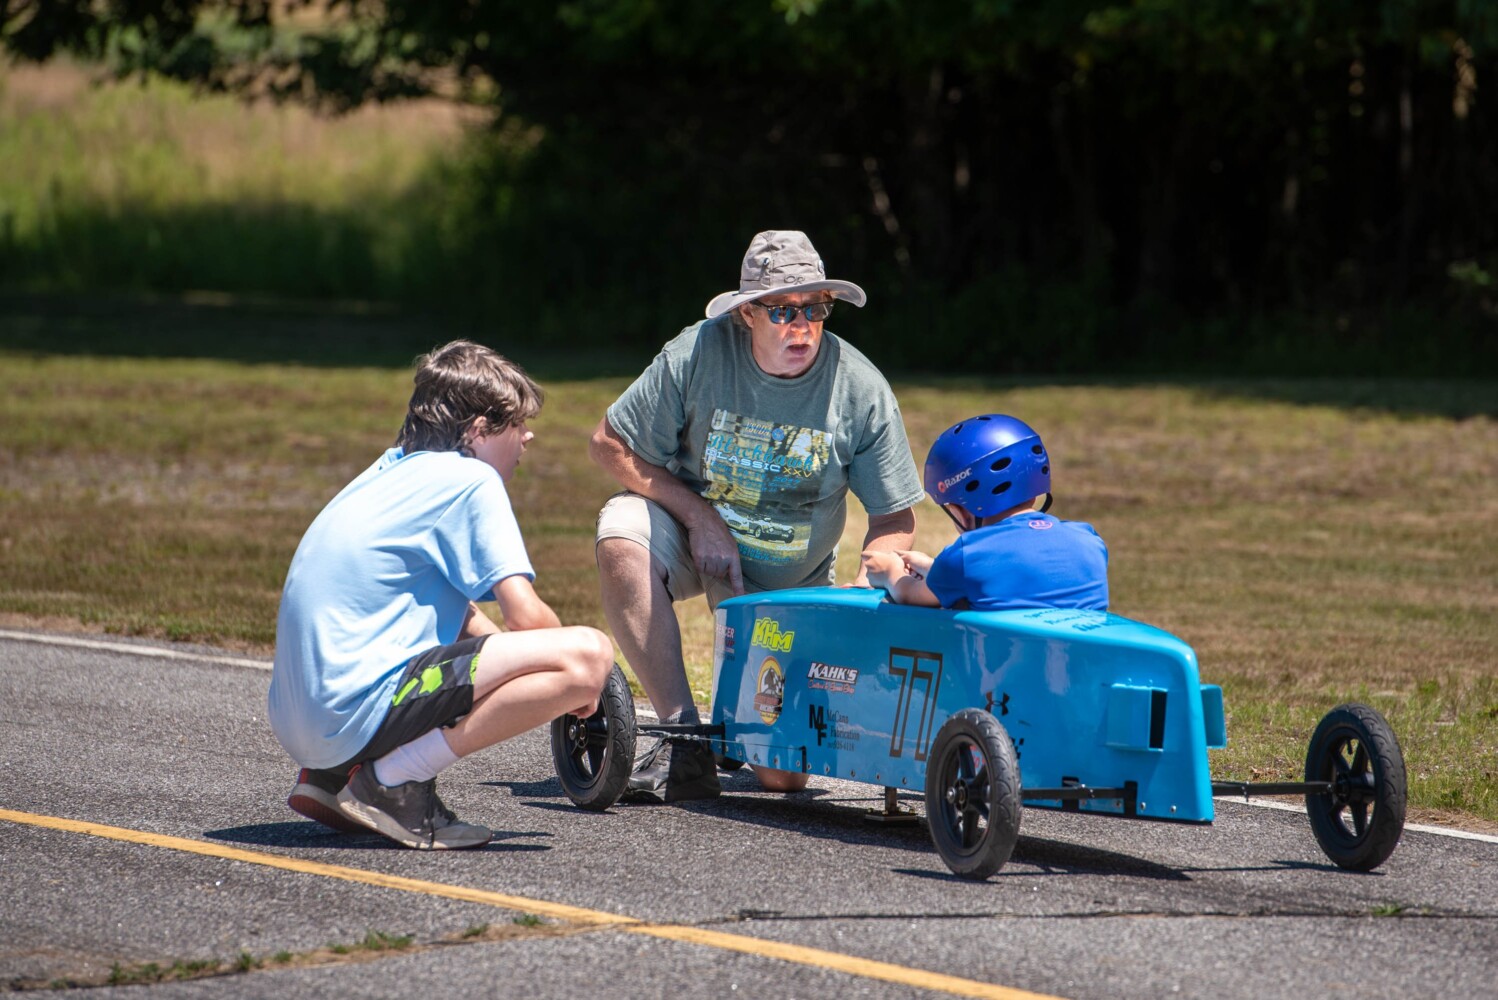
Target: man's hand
x,y
881,569
887,533
901,574
714,551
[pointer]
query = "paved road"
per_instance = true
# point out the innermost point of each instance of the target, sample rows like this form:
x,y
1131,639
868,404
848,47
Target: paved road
x,y
752,895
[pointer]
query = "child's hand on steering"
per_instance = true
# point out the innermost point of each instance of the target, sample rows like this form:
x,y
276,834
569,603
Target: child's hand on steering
x,y
917,564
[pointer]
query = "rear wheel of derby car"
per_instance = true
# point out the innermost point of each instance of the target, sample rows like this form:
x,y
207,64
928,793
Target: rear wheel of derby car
x,y
973,794
595,755
1359,821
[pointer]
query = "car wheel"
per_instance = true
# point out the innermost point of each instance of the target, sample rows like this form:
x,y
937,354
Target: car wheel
x,y
594,756
973,794
1359,822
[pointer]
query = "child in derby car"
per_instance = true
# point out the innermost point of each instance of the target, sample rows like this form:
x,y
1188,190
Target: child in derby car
x,y
386,672
992,476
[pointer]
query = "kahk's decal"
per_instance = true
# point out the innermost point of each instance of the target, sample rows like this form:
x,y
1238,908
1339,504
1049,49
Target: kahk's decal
x,y
826,677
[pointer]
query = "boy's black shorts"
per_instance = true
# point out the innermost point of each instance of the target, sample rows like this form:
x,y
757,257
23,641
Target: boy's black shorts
x,y
435,690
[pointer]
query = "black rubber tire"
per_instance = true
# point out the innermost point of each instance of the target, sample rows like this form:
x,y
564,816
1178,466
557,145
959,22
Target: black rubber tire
x,y
594,756
1359,822
973,794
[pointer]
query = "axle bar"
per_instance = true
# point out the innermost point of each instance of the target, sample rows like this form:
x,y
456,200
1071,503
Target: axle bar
x,y
679,729
1248,788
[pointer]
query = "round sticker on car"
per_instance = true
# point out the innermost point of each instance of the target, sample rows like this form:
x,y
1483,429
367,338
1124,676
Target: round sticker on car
x,y
769,690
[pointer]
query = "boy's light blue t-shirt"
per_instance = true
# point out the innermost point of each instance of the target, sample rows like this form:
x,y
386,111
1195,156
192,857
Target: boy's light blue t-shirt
x,y
385,572
1024,561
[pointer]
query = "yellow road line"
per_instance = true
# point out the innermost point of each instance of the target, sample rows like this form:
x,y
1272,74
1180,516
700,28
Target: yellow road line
x,y
798,954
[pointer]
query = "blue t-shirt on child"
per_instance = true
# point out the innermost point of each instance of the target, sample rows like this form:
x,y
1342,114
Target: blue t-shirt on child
x,y
1024,561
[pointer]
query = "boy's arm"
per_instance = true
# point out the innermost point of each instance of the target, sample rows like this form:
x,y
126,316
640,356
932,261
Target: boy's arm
x,y
892,571
477,623
912,589
521,607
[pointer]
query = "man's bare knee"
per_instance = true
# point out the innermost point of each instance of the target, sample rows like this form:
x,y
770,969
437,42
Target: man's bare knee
x,y
621,555
624,562
775,780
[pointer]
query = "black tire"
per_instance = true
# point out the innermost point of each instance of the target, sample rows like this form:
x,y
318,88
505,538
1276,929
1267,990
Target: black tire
x,y
594,756
973,794
1359,822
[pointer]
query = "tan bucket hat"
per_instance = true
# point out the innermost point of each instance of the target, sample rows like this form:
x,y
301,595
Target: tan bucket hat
x,y
778,261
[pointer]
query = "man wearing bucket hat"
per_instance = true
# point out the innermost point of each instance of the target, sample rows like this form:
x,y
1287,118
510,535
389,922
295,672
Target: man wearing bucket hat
x,y
736,450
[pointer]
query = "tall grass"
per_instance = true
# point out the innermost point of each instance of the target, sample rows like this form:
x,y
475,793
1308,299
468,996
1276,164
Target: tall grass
x,y
150,187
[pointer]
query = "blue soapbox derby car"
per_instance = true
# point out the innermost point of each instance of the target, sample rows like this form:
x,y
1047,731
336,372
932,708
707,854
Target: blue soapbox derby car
x,y
983,711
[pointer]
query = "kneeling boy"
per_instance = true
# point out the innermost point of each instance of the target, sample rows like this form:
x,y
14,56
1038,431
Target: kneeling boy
x,y
386,673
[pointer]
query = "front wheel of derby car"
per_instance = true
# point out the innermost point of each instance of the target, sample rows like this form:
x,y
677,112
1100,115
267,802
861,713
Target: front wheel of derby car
x,y
594,756
973,794
1359,822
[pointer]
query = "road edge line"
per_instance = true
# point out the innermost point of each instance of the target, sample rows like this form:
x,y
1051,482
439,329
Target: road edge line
x,y
1440,831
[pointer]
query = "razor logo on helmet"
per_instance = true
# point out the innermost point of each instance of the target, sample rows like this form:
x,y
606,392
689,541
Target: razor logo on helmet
x,y
945,483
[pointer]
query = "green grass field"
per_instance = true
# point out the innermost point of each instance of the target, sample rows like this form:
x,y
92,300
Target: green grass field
x,y
1314,541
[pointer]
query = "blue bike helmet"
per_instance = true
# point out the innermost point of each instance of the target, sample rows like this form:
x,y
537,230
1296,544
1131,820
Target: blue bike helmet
x,y
988,464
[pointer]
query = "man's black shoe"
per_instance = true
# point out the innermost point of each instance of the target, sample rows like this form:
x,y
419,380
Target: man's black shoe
x,y
674,770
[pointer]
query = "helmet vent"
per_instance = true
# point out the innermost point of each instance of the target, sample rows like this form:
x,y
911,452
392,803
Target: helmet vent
x,y
972,484
1045,470
999,466
1037,449
957,429
1001,487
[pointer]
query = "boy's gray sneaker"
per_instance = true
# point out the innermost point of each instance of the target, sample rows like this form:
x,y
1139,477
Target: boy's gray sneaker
x,y
409,814
674,770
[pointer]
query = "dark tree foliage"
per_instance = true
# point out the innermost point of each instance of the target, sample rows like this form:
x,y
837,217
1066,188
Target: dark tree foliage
x,y
1115,176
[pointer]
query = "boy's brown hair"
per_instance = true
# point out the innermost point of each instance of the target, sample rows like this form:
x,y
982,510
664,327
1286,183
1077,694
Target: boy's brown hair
x,y
455,385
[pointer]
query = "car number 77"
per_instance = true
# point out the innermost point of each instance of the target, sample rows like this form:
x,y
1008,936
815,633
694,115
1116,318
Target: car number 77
x,y
920,680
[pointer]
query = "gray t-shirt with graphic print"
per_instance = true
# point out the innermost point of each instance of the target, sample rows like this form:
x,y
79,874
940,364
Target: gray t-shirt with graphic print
x,y
775,456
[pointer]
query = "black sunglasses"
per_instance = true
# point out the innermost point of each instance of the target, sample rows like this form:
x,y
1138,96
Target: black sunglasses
x,y
780,315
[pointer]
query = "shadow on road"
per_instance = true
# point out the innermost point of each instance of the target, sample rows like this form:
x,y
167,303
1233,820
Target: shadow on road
x,y
308,834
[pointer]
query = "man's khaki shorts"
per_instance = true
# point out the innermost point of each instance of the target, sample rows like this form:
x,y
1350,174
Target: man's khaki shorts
x,y
629,515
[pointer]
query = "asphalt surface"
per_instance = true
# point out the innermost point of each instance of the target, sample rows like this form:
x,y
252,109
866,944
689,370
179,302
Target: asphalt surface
x,y
178,750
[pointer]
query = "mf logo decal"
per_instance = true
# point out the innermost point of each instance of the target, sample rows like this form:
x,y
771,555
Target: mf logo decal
x,y
767,634
769,690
